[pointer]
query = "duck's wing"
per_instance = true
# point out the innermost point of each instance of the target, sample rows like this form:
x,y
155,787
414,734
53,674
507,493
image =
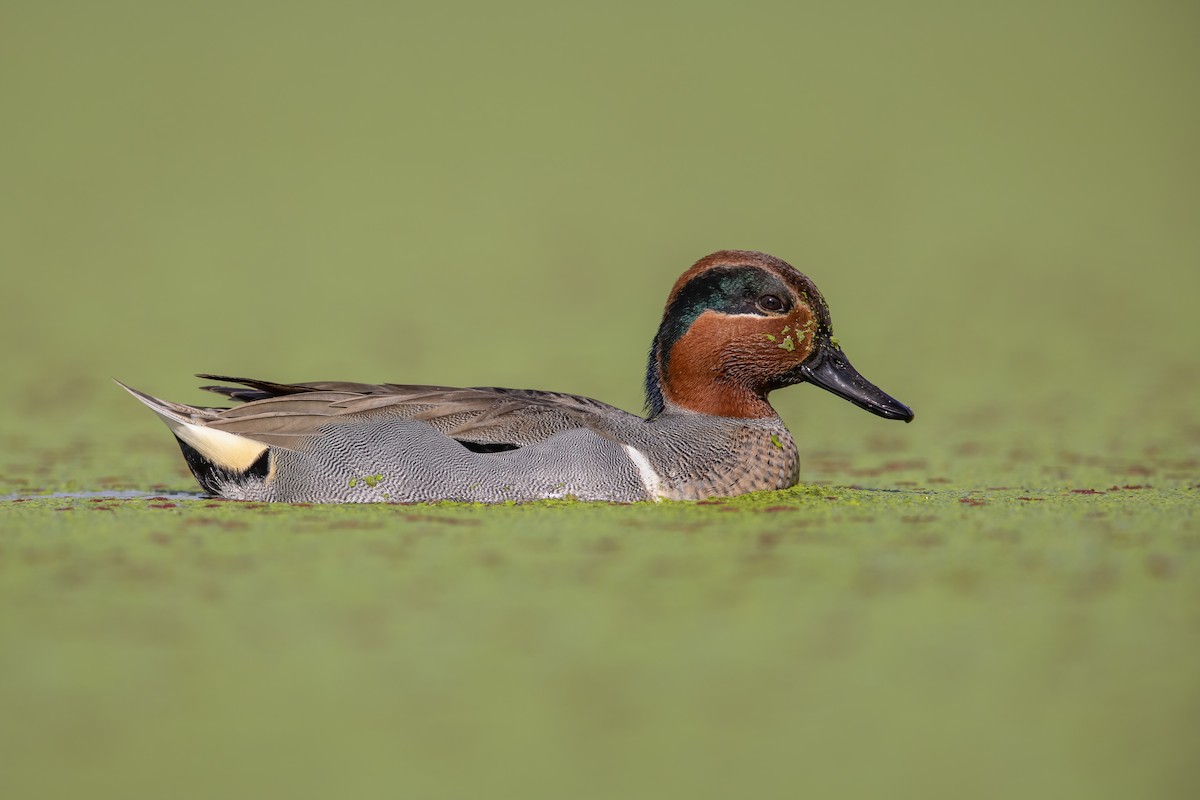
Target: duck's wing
x,y
485,419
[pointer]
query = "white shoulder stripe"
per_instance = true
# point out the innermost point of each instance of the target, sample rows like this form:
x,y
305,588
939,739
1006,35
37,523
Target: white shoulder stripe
x,y
650,478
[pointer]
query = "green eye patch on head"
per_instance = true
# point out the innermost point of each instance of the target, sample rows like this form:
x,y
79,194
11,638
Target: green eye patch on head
x,y
728,290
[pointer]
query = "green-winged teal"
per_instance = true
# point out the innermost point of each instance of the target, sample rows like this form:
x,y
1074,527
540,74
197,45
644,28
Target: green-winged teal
x,y
737,325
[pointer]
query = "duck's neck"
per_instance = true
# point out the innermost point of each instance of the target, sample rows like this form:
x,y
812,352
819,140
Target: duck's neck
x,y
696,384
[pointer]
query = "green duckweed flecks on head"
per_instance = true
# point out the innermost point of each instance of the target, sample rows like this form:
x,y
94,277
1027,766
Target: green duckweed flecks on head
x,y
769,337
787,344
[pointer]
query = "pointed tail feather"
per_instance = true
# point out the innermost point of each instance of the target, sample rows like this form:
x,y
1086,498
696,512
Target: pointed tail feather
x,y
223,450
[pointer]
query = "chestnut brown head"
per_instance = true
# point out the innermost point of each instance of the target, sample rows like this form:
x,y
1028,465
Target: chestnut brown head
x,y
740,324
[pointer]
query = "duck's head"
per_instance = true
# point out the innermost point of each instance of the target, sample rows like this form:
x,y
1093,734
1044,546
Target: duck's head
x,y
740,324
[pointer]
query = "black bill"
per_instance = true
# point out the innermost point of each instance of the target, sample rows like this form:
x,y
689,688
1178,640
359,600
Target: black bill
x,y
832,371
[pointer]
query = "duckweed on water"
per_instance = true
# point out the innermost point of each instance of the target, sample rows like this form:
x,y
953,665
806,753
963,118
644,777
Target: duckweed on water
x,y
774,620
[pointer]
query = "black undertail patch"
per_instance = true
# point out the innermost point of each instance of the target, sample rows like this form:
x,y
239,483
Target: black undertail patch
x,y
487,447
211,476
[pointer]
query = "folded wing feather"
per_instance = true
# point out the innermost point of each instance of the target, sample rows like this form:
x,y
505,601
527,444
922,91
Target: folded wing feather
x,y
283,414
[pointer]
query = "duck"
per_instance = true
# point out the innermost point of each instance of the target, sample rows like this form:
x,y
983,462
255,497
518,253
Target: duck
x,y
737,325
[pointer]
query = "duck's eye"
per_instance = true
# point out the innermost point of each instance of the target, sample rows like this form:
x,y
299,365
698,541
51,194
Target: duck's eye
x,y
769,302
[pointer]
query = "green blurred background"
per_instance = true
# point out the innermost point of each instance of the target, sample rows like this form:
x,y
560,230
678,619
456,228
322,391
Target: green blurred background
x,y
1000,201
